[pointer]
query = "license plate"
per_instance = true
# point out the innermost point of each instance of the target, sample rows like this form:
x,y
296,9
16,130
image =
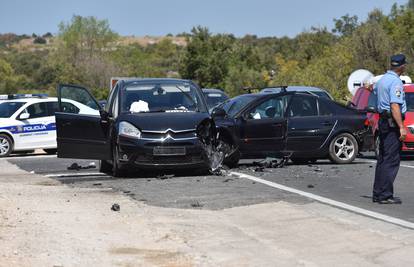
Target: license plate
x,y
168,151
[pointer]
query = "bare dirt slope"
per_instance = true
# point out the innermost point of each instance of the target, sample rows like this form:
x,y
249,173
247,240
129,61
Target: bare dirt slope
x,y
44,223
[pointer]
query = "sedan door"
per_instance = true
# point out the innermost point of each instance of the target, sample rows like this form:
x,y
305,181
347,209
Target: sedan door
x,y
309,123
83,136
263,129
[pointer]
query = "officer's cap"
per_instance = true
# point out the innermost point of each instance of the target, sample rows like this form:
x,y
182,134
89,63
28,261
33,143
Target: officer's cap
x,y
398,60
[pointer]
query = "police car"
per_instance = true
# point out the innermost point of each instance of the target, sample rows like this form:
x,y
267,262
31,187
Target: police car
x,y
27,121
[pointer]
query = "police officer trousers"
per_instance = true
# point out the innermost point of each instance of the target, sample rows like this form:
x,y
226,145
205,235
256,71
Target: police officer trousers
x,y
388,162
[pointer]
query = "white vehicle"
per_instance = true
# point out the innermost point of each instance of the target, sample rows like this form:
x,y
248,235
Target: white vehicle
x,y
27,122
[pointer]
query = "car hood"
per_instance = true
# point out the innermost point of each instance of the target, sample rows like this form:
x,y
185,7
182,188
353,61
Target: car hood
x,y
161,121
5,122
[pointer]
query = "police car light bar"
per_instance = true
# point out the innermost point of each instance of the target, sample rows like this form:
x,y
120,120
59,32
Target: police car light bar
x,y
17,96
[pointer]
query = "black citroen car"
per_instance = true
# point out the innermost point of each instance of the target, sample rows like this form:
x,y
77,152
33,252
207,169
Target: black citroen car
x,y
302,126
147,123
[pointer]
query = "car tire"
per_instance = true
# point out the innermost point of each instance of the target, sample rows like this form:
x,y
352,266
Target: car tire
x,y
6,145
233,160
343,148
105,167
376,146
50,151
117,170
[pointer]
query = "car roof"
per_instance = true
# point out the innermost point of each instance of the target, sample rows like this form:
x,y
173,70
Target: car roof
x,y
409,88
154,80
295,88
31,99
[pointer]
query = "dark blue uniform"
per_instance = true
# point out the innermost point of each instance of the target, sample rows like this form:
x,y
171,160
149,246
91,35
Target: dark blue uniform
x,y
389,89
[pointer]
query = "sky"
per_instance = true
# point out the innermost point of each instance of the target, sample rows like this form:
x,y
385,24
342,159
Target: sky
x,y
156,17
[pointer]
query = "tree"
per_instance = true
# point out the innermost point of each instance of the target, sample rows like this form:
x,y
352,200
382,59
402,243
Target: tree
x,y
206,58
371,47
85,36
8,80
345,25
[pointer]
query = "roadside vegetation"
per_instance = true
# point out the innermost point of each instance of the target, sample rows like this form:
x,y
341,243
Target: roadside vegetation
x,y
86,51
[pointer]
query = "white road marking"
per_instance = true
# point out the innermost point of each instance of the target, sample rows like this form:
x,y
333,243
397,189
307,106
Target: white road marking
x,y
57,175
29,157
330,202
374,161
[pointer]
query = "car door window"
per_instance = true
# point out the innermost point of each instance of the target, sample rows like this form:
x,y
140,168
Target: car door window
x,y
67,107
324,109
270,109
37,110
85,103
303,106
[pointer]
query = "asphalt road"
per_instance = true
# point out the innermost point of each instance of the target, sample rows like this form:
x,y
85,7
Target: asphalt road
x,y
351,184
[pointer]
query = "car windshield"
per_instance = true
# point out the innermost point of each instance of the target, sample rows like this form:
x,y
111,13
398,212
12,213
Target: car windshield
x,y
234,105
213,99
7,109
409,99
178,97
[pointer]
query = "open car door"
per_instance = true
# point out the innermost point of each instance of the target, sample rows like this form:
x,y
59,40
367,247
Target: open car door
x,y
81,125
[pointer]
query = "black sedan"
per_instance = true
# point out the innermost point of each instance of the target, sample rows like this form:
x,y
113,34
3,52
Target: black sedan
x,y
302,126
148,123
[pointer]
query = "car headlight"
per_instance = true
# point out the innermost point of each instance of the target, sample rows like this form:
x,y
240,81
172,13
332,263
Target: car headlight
x,y
129,130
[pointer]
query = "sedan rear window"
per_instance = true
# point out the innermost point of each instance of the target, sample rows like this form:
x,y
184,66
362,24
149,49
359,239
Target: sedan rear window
x,y
7,109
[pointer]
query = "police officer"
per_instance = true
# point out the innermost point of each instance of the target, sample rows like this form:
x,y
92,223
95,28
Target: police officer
x,y
392,107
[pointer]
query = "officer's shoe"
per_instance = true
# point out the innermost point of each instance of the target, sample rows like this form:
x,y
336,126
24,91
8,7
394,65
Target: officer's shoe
x,y
391,200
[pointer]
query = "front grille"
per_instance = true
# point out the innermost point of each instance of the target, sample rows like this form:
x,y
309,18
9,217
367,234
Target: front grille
x,y
169,151
409,144
145,159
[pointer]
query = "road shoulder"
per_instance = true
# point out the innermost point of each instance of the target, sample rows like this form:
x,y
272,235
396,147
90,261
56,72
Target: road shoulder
x,y
44,223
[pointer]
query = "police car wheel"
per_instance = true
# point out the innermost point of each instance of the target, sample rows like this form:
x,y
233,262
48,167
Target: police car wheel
x,y
343,149
6,145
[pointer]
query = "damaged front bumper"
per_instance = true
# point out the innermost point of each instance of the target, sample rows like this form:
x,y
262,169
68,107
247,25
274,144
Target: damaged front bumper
x,y
162,155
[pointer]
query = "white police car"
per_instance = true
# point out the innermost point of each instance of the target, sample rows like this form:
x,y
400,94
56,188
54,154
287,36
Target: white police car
x,y
27,122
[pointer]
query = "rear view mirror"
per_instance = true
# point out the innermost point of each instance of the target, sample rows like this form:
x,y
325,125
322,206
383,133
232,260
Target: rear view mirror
x,y
218,113
24,116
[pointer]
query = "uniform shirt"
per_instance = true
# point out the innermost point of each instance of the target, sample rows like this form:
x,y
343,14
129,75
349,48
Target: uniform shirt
x,y
389,89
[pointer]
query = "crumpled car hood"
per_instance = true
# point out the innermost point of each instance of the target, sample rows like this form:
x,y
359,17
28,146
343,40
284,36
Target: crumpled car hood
x,y
161,121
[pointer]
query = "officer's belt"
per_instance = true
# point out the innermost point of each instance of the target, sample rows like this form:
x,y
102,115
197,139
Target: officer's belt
x,y
387,115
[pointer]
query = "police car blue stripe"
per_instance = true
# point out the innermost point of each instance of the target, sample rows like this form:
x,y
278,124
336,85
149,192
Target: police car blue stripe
x,y
30,128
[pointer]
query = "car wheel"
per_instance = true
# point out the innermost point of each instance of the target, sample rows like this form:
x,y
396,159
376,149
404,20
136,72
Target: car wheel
x,y
343,149
377,146
6,145
105,166
50,151
117,170
233,160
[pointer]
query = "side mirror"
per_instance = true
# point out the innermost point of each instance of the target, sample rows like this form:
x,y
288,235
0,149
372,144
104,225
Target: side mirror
x,y
24,116
104,115
218,113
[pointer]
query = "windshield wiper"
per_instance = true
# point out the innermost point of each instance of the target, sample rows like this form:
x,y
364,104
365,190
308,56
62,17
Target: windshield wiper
x,y
189,97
